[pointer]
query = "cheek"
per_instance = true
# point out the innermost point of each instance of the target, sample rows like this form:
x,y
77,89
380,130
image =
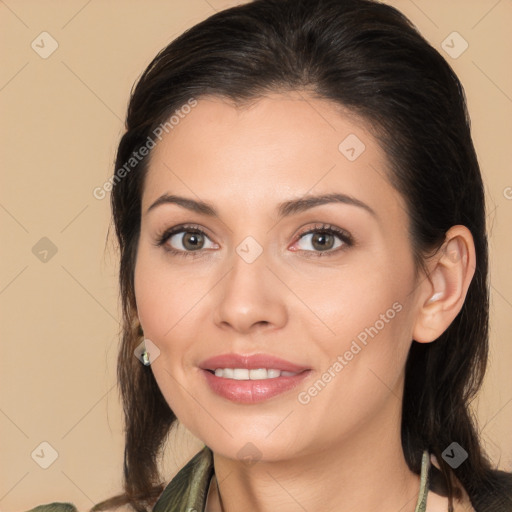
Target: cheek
x,y
362,368
155,294
358,298
171,301
368,313
163,300
165,289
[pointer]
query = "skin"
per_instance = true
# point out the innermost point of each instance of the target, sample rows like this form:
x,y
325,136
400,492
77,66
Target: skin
x,y
245,161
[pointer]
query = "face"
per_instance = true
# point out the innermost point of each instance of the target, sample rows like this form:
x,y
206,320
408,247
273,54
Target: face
x,y
326,286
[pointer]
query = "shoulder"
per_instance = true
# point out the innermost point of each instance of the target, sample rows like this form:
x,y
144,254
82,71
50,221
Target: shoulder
x,y
54,507
188,489
69,507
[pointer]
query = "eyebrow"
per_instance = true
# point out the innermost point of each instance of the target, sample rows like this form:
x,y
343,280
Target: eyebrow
x,y
284,209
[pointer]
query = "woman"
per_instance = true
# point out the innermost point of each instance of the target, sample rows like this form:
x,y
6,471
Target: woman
x,y
301,221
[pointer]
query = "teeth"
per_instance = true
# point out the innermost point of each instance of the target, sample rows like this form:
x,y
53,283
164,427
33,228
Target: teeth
x,y
256,374
240,373
253,374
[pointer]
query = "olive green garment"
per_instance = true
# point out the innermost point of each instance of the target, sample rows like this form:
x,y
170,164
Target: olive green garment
x,y
188,490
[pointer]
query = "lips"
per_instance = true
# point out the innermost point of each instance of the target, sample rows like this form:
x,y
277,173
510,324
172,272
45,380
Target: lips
x,y
254,390
251,362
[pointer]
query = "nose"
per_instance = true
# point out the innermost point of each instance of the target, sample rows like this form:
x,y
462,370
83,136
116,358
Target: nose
x,y
250,297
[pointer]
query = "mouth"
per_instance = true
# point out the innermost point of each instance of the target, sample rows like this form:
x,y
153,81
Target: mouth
x,y
251,374
250,379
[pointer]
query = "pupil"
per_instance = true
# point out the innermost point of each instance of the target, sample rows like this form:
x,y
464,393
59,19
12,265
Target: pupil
x,y
321,237
193,236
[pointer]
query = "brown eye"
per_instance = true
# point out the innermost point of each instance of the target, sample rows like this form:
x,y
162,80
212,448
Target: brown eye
x,y
323,240
183,240
191,241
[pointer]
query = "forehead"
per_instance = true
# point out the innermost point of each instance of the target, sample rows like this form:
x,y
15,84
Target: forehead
x,y
276,148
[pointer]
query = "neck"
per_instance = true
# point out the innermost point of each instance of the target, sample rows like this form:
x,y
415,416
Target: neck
x,y
366,471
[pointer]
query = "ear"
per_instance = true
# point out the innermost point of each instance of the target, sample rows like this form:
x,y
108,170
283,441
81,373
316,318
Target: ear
x,y
443,292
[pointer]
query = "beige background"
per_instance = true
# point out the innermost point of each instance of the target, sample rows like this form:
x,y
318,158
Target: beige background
x,y
61,121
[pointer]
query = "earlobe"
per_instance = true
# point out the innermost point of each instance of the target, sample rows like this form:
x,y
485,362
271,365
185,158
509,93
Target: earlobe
x,y
443,292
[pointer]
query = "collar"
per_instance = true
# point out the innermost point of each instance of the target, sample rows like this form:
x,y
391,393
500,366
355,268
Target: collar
x,y
188,490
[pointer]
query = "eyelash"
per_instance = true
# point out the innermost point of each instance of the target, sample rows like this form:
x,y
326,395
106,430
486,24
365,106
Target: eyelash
x,y
343,235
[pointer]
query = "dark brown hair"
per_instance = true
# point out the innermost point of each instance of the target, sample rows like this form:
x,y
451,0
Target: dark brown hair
x,y
368,58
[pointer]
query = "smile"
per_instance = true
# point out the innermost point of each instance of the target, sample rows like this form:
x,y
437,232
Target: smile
x,y
253,374
251,378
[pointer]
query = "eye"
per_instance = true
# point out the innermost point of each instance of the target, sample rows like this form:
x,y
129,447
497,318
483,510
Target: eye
x,y
323,239
190,237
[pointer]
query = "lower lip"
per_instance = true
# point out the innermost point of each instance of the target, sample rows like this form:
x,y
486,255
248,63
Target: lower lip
x,y
252,391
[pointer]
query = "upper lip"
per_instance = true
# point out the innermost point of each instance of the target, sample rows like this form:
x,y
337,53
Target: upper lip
x,y
252,361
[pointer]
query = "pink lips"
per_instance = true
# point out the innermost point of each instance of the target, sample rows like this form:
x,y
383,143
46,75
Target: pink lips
x,y
251,362
251,391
